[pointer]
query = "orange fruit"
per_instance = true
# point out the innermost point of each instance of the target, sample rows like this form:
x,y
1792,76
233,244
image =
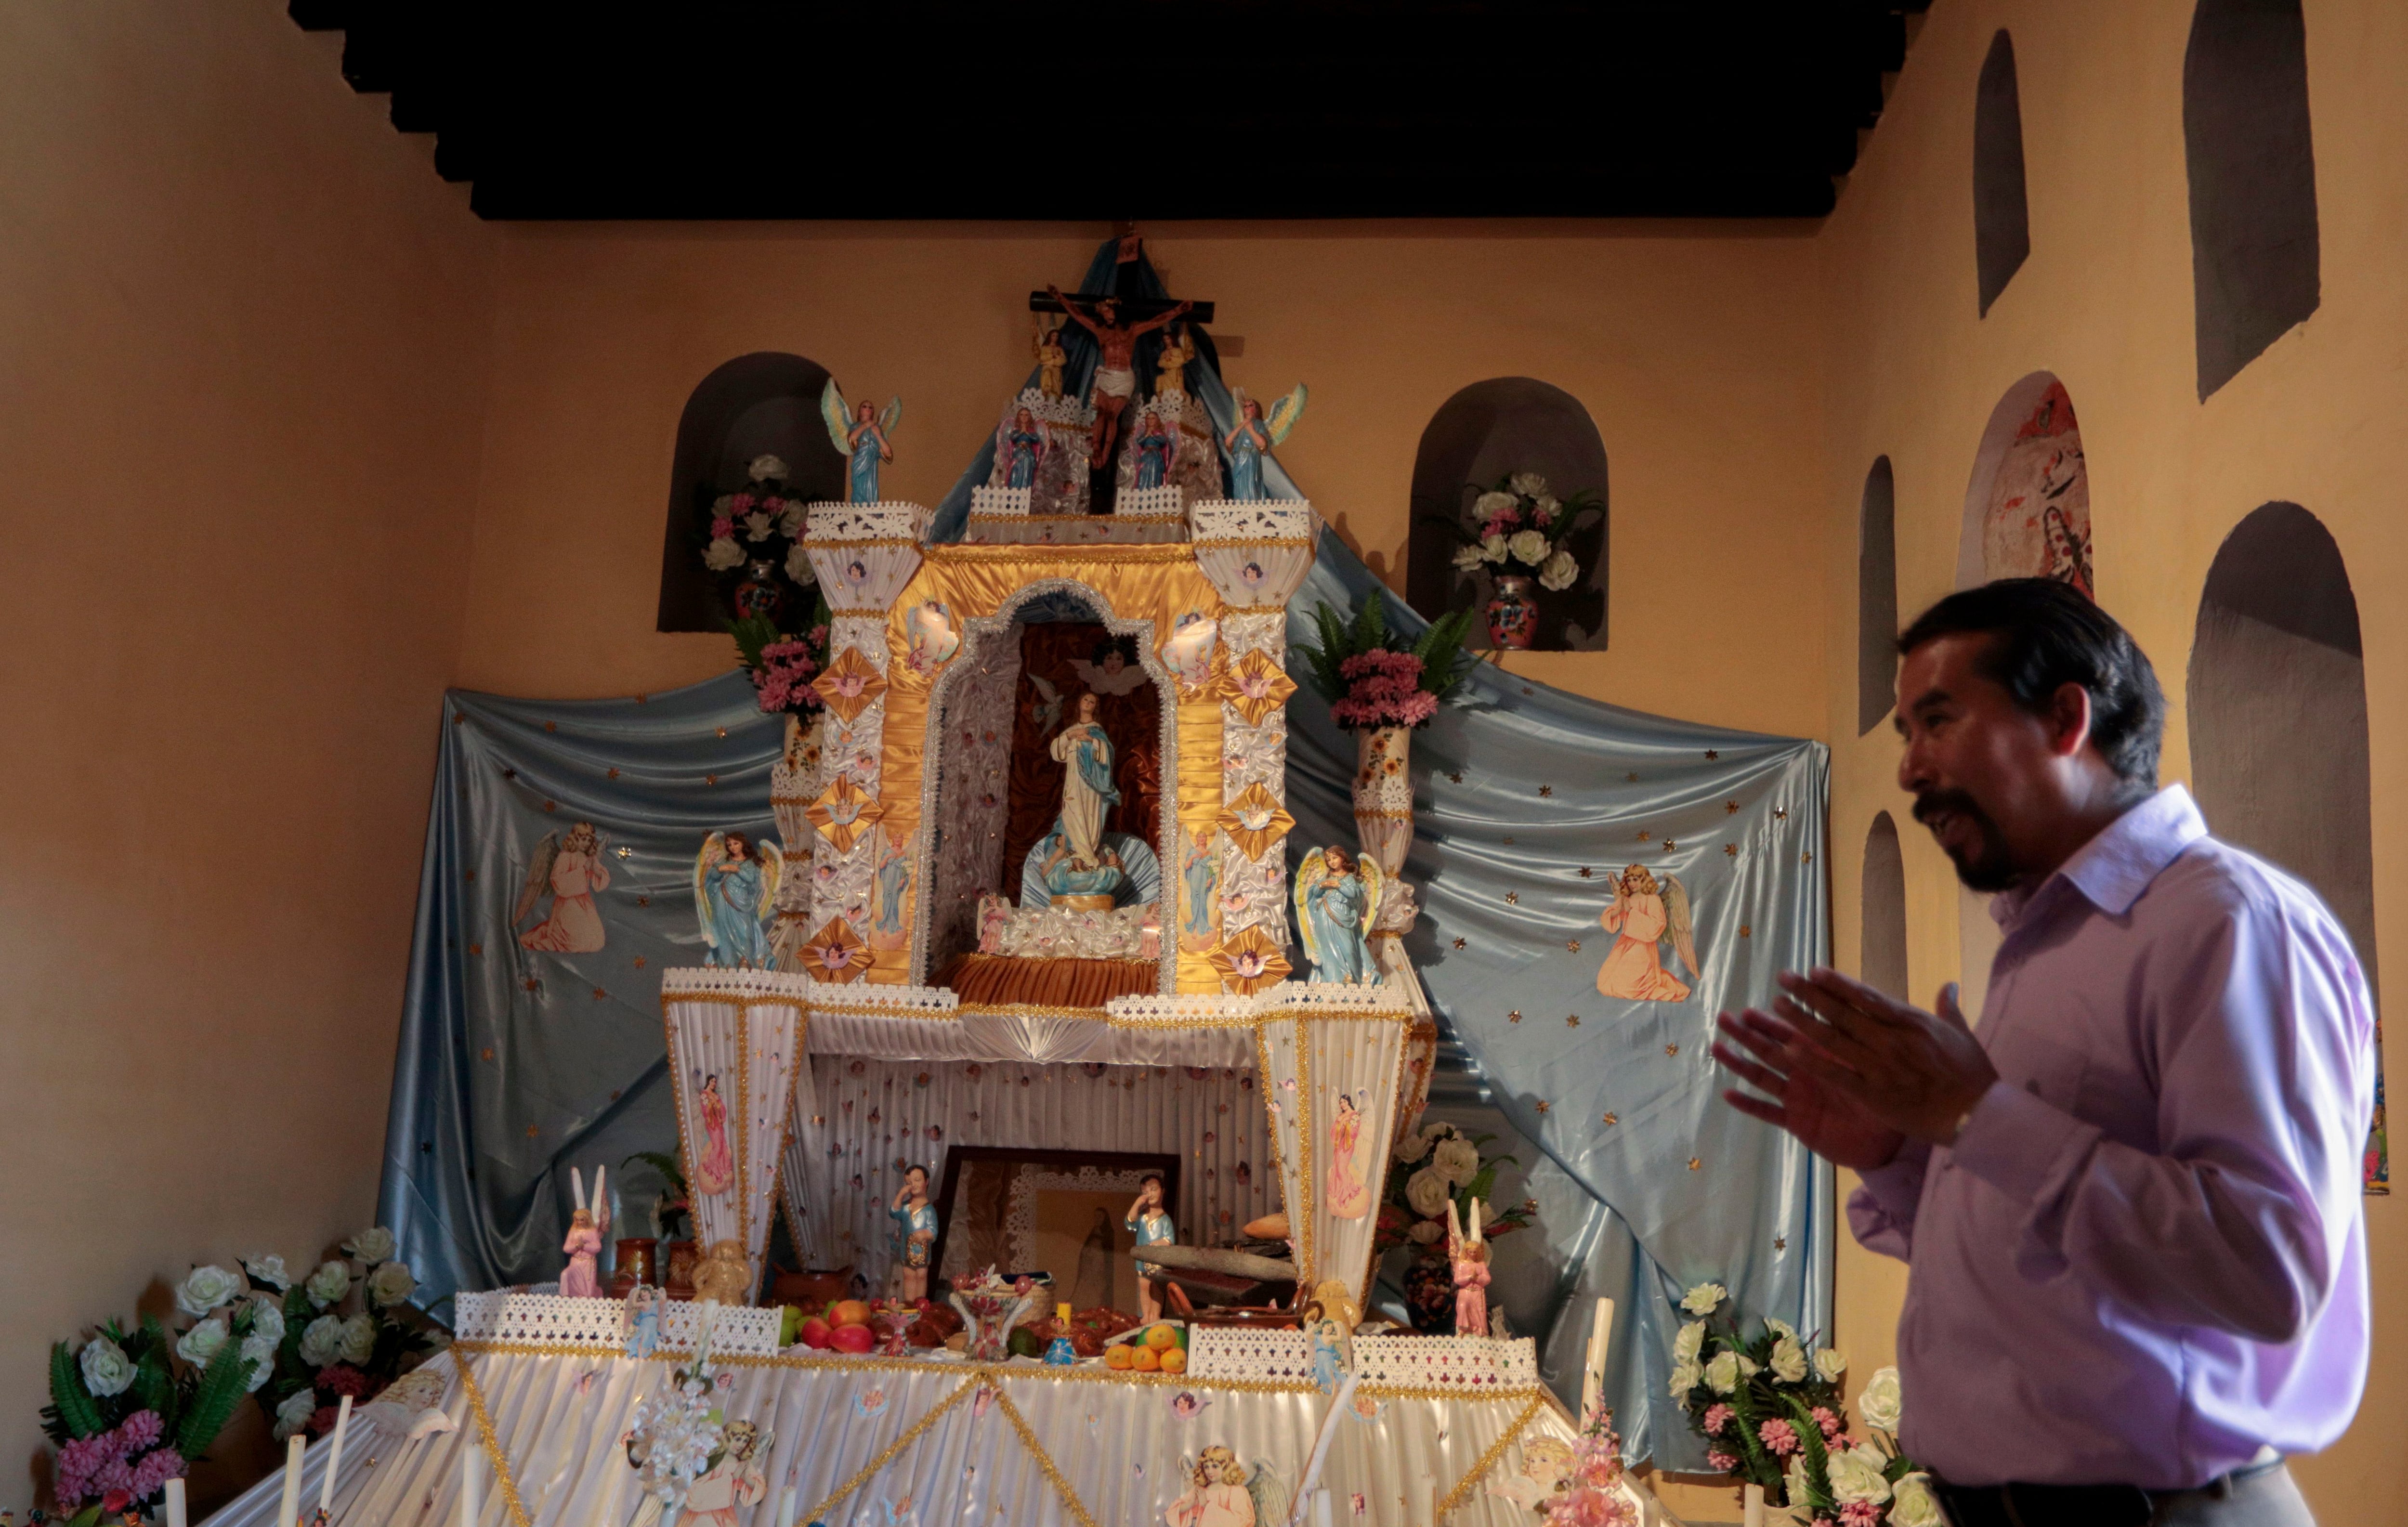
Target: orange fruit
x,y
1117,1357
1161,1337
849,1312
1174,1361
1146,1360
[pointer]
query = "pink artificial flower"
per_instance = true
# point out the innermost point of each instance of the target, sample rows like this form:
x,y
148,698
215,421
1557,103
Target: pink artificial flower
x,y
740,503
136,1431
1717,1416
341,1379
722,529
1860,1514
1778,1435
112,1476
1830,1424
1720,1462
157,1467
79,1461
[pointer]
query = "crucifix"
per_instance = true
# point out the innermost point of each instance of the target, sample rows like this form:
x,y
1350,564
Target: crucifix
x,y
1116,324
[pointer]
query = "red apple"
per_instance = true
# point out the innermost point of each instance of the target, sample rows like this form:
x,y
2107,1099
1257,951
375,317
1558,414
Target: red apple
x,y
816,1332
852,1338
849,1312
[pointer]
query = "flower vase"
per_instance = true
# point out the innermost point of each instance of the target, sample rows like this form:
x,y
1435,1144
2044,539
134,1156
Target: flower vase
x,y
1430,1292
1512,614
635,1262
1383,794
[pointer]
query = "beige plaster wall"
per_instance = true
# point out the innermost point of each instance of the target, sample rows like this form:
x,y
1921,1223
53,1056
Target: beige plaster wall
x,y
243,331
2105,302
1690,346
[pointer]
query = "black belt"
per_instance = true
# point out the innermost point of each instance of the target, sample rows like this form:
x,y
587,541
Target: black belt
x,y
2075,1505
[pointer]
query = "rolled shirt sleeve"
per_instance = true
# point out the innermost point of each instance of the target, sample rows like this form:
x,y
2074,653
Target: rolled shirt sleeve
x,y
1881,1211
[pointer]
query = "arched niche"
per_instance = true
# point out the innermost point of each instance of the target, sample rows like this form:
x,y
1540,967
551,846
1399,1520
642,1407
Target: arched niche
x,y
1876,597
1507,424
763,404
2252,168
1883,908
2028,503
2277,692
2001,219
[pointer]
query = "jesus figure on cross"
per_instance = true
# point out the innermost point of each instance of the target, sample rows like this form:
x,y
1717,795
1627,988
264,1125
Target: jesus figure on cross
x,y
1116,368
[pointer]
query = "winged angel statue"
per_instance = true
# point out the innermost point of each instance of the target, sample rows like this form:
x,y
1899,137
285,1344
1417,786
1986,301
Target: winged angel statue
x,y
1652,918
1336,897
735,889
867,440
1252,438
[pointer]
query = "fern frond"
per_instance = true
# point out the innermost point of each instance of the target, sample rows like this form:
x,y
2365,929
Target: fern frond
x,y
77,1412
212,1405
665,1164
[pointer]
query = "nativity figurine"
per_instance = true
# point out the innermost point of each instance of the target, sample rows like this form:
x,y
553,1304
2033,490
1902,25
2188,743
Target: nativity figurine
x,y
587,1224
1253,438
1079,866
1150,1222
1337,896
725,1274
916,1233
1116,367
863,437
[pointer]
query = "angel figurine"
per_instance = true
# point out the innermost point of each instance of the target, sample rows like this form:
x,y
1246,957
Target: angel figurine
x,y
1170,372
734,889
587,1226
1336,897
1652,918
1252,438
1467,1254
866,437
571,869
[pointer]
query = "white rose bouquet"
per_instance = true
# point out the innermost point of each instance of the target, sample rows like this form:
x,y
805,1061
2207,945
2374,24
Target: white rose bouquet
x,y
752,543
1520,526
1770,1410
347,1328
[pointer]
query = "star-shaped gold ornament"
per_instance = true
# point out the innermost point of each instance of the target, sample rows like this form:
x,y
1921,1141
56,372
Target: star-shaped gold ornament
x,y
1669,846
1731,806
1730,850
710,778
1248,960
1781,813
1545,790
1543,1102
1781,1242
1610,1120
477,949
1513,1017
1512,898
1586,873
1509,840
1454,776
836,953
551,726
1573,943
1712,755
850,685
723,731
844,812
1256,819
1633,778
1745,929
1806,857
1459,943
1695,1163
1572,1021
489,1052
1255,686
1672,1049
639,961
599,993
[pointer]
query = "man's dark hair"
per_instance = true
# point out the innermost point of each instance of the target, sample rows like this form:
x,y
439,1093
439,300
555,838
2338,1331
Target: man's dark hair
x,y
2047,635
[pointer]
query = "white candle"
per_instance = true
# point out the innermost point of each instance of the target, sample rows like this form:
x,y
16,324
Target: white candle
x,y
287,1511
334,1458
786,1507
472,1460
1753,1508
1601,1334
1324,1509
175,1504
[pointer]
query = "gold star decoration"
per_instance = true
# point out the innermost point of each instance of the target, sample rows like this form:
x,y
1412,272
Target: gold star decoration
x,y
489,1052
615,1095
1781,813
1545,790
1573,943
599,993
1512,898
1256,819
1781,1242
1509,840
1806,857
1249,960
530,984
1255,686
1543,1102
477,949
1586,872
1745,929
1712,755
1610,1120
552,806
1695,1163
612,775
1454,776
1672,1049
1459,943
850,685
723,731
1730,850
1731,806
710,778
836,952
625,852
1513,1017
530,1132
1572,1021
1633,778
472,876
1669,845
458,719
639,961
510,774
844,812
551,726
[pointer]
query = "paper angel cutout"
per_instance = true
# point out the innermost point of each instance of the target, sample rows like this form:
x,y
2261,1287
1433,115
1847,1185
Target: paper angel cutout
x,y
571,871
1337,896
735,889
1110,670
867,440
1253,436
1654,925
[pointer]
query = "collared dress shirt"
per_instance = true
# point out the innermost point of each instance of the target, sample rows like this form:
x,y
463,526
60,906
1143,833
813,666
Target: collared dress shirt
x,y
2145,1257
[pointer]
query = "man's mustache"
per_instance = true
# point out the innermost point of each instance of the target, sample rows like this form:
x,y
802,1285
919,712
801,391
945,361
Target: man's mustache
x,y
1931,802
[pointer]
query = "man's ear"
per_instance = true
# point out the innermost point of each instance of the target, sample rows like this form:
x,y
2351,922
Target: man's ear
x,y
2069,720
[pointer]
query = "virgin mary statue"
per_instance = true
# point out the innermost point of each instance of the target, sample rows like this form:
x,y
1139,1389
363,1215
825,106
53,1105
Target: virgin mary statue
x,y
1086,784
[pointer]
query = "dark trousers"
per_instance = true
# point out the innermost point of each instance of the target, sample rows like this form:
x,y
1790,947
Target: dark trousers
x,y
2263,1496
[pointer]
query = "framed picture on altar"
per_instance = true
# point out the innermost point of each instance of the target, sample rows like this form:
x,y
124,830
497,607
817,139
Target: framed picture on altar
x,y
1060,1212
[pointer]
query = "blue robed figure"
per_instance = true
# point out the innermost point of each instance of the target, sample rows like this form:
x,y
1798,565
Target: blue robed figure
x,y
863,437
732,886
1152,452
1333,909
1022,444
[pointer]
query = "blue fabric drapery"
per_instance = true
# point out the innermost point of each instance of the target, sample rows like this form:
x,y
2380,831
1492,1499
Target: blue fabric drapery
x,y
515,1064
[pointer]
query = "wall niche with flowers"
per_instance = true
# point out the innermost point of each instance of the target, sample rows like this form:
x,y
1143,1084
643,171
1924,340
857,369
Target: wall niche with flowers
x,y
1509,518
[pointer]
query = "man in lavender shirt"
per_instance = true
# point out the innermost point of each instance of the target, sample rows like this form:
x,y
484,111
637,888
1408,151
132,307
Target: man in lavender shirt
x,y
2131,1201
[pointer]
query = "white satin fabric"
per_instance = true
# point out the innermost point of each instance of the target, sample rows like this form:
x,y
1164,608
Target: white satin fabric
x,y
1116,1442
1309,1064
751,1047
865,1115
